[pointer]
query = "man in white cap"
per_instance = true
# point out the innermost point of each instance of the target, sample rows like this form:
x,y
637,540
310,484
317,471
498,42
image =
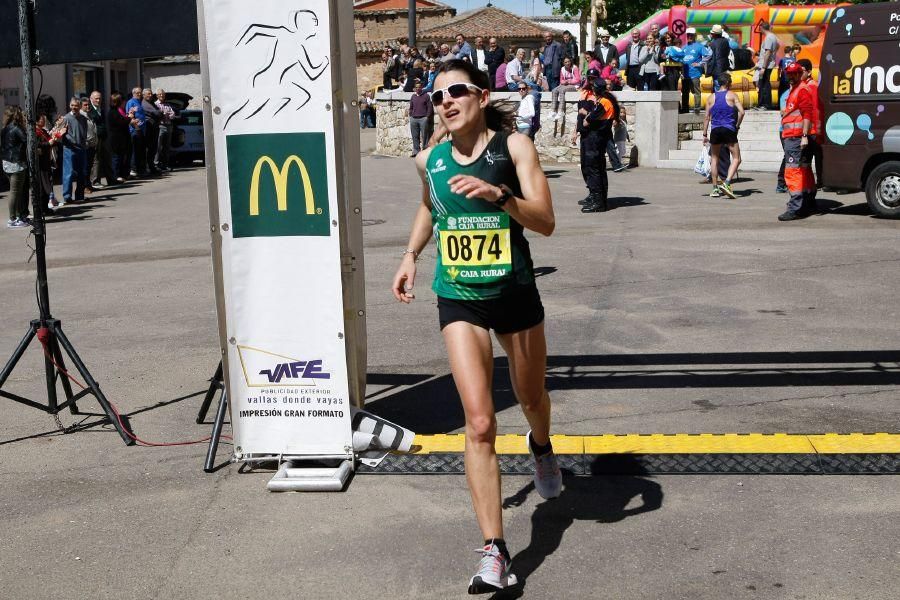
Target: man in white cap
x,y
720,50
694,55
603,49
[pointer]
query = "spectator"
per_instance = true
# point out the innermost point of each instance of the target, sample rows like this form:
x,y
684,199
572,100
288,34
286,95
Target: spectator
x,y
569,81
673,65
525,114
615,148
90,145
119,123
421,118
465,51
719,61
13,144
633,61
592,62
552,59
790,56
101,165
445,54
765,65
724,114
650,65
610,73
432,73
515,70
390,64
138,130
535,76
570,46
603,50
500,76
479,56
165,131
154,118
493,58
431,52
693,53
74,153
654,30
367,110
47,141
781,186
416,72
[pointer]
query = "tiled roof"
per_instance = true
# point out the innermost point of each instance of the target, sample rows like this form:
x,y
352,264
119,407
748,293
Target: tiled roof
x,y
375,46
487,21
393,6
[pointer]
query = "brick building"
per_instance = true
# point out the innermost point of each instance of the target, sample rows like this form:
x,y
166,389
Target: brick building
x,y
380,22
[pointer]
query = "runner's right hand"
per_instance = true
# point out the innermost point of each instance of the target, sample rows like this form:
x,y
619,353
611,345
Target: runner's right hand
x,y
405,279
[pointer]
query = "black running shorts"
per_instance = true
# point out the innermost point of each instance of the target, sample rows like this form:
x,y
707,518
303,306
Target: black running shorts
x,y
722,135
516,311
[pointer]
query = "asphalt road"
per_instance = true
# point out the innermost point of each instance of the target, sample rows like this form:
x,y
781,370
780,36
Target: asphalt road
x,y
671,313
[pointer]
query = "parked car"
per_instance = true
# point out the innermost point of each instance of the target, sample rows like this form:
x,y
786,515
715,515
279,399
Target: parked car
x,y
187,132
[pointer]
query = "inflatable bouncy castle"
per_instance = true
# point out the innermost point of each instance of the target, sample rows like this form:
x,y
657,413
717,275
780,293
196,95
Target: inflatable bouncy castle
x,y
803,25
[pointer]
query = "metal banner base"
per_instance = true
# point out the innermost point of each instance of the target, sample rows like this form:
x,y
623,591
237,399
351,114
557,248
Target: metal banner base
x,y
291,477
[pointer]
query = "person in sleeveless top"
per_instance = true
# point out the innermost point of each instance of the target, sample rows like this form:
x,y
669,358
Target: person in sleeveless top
x,y
481,190
724,112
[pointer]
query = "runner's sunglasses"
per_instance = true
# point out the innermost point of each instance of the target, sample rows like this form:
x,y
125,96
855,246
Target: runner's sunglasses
x,y
456,90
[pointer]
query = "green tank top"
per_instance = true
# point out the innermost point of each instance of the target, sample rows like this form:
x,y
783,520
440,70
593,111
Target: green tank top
x,y
482,252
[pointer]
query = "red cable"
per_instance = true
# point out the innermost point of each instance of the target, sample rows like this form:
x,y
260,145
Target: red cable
x,y
43,336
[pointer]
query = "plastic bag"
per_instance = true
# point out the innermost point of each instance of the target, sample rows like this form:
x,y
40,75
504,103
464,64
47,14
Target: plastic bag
x,y
703,167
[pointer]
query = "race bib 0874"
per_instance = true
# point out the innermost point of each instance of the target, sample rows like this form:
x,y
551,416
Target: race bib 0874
x,y
475,248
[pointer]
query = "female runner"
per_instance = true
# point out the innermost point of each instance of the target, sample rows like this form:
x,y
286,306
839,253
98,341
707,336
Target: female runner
x,y
480,190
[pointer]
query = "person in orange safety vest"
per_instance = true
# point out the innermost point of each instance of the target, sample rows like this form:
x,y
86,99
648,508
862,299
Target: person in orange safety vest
x,y
817,131
797,120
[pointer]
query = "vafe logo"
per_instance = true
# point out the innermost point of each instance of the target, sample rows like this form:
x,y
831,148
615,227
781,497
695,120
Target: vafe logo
x,y
262,368
278,185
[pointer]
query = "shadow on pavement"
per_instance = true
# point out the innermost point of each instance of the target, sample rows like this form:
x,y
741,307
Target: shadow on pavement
x,y
599,499
623,201
430,404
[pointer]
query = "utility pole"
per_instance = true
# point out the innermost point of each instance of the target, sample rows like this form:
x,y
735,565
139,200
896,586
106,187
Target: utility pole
x,y
412,22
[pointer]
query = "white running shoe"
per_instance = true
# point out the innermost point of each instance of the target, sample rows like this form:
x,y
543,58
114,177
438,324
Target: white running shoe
x,y
547,476
493,572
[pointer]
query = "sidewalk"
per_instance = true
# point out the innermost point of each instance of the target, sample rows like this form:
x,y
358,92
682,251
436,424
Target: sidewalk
x,y
669,275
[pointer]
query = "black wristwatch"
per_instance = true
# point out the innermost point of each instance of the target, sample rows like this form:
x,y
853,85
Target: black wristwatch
x,y
507,194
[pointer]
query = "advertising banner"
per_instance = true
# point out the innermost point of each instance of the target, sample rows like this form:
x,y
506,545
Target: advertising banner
x,y
270,97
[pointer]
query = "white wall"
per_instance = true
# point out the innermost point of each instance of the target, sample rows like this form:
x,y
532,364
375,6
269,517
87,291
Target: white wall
x,y
54,84
176,78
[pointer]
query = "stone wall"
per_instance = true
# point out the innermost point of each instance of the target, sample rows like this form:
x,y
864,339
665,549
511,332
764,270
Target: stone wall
x,y
687,123
650,126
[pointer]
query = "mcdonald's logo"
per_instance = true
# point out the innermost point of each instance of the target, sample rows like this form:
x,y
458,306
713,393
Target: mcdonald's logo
x,y
278,184
281,182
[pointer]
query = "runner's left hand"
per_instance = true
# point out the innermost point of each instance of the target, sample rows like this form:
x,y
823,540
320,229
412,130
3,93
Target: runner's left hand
x,y
472,187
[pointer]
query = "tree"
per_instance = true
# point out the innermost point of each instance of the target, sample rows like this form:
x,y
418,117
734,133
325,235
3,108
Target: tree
x,y
621,15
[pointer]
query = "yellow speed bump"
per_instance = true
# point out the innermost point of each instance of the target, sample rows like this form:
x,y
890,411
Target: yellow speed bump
x,y
702,443
681,443
856,443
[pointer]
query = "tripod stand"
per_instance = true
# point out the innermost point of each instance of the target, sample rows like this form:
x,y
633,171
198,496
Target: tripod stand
x,y
47,329
215,384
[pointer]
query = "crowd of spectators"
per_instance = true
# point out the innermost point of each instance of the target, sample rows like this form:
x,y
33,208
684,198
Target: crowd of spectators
x,y
88,144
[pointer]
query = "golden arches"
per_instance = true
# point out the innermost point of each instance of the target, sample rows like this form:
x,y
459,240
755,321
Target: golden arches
x,y
280,177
